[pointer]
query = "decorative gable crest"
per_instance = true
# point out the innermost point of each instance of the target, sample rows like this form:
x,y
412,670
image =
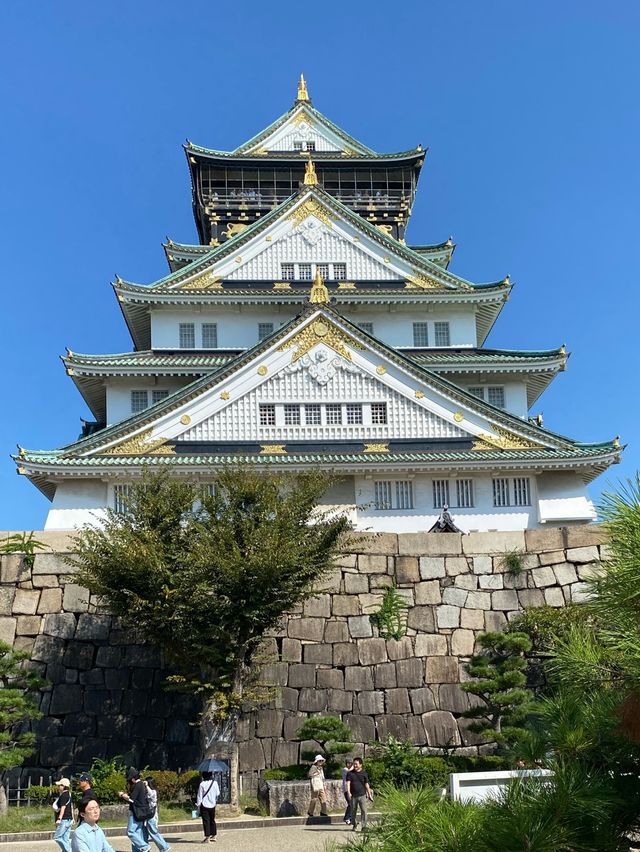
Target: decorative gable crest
x,y
320,332
321,366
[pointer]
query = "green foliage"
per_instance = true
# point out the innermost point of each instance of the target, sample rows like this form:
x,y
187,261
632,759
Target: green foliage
x,y
400,764
40,795
330,731
204,576
108,787
253,805
18,686
23,543
101,769
293,772
545,625
391,618
188,785
513,562
500,683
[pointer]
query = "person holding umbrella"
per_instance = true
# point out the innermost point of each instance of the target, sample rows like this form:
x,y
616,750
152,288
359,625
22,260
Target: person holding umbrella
x,y
207,799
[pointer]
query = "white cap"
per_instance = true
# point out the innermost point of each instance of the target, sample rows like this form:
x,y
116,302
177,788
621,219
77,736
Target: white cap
x,y
318,757
63,782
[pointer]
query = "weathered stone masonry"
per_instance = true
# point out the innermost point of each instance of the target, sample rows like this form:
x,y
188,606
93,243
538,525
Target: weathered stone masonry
x,y
106,696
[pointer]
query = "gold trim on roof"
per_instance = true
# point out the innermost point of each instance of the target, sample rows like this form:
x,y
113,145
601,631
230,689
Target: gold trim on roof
x,y
320,332
346,285
310,176
272,450
504,440
282,285
319,294
208,281
234,228
310,207
303,92
423,281
140,445
376,448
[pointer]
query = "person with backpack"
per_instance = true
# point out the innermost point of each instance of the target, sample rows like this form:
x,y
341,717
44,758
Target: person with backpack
x,y
139,811
206,801
63,815
153,832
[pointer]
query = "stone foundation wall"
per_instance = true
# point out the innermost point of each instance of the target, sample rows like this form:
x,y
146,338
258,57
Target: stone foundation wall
x,y
106,694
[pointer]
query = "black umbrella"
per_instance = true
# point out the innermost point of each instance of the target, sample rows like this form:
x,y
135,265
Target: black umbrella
x,y
210,764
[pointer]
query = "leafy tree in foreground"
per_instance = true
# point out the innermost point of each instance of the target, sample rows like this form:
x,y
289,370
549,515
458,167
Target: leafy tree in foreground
x,y
17,707
204,575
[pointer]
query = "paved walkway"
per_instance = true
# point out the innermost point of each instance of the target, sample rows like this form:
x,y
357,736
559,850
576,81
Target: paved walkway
x,y
297,838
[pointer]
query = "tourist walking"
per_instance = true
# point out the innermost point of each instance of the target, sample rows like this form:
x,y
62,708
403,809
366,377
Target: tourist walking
x,y
316,781
348,766
206,800
88,836
360,792
139,811
153,832
88,793
63,815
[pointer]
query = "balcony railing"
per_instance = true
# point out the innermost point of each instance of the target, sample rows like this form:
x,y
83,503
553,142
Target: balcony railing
x,y
248,199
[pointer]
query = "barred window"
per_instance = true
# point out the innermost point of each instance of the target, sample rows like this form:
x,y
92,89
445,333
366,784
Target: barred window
x,y
264,330
209,489
334,414
440,493
187,335
339,271
311,145
267,414
312,414
521,491
209,335
354,413
501,492
287,271
379,413
382,495
121,496
323,269
495,396
158,395
464,493
477,392
404,494
420,334
366,326
291,415
304,271
139,401
441,330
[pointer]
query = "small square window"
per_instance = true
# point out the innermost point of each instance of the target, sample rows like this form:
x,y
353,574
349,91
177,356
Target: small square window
x,y
291,415
334,414
379,413
297,145
420,334
441,333
440,493
267,414
366,326
311,146
209,335
288,272
495,396
339,271
158,395
312,415
187,335
139,401
354,413
264,330
304,271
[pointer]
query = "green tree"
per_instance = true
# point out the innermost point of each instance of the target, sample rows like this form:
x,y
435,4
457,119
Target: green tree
x,y
500,683
17,708
204,574
330,732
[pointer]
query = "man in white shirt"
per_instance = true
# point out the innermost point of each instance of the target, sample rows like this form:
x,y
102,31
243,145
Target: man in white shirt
x,y
88,836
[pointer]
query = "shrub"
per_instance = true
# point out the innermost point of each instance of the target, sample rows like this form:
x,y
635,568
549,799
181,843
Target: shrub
x,y
107,788
401,764
39,795
167,784
294,772
188,784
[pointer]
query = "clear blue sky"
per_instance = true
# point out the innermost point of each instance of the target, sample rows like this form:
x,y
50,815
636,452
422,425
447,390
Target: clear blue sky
x,y
530,112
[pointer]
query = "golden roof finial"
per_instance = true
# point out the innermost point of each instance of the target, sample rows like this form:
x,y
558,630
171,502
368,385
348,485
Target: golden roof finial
x,y
616,442
506,280
319,294
310,176
303,94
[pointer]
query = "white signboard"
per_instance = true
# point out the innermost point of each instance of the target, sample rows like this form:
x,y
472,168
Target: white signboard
x,y
476,786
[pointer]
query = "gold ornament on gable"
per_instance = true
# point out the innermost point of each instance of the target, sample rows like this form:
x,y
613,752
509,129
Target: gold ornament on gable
x,y
208,281
310,207
320,332
140,445
503,440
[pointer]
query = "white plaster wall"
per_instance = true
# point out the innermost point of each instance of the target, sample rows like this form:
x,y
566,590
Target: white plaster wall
x,y
515,392
119,393
564,497
396,327
77,502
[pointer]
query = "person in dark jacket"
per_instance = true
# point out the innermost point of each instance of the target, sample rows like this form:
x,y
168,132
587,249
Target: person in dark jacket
x,y
138,803
88,793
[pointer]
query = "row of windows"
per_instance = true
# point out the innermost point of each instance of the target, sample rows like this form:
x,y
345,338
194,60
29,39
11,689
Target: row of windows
x,y
329,414
140,399
308,145
209,334
307,271
492,395
459,494
441,334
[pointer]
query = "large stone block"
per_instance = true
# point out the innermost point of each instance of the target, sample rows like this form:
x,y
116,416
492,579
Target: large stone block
x,y
318,654
67,698
372,564
495,621
284,753
379,582
386,543
565,573
8,629
274,674
415,731
369,604
428,592
339,701
431,645
505,600
312,700
346,605
318,606
584,536
372,651
292,723
553,557
407,570
360,626
310,629
421,618
538,541
455,565
25,602
385,676
442,670
47,649
92,627
466,581
44,581
493,542
52,563
370,703
61,624
56,751
454,596
440,726
479,600
472,619
28,625
421,544
543,576
358,679
432,567
108,657
588,570
302,675
451,697
286,698
330,679
363,728
50,601
251,755
391,726
580,592
482,565
13,568
553,596
491,581
422,700
269,723
530,597
291,650
75,599
399,649
355,584
330,582
397,700
410,672
583,554
462,642
336,631
345,654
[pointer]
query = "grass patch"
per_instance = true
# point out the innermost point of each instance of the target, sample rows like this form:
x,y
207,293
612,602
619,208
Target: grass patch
x,y
41,819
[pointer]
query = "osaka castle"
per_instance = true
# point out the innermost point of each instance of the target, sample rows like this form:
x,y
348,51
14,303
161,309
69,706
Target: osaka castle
x,y
306,329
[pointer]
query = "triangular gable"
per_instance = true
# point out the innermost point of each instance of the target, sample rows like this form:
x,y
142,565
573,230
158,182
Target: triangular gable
x,y
316,341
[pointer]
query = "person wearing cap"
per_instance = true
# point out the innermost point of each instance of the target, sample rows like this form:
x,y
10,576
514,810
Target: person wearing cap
x,y
88,836
316,780
63,815
88,793
138,804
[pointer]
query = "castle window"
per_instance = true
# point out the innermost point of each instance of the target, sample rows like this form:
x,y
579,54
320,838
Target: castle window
x,y
464,493
291,415
354,413
187,335
264,330
209,335
477,392
420,334
379,413
288,272
121,496
382,495
323,269
139,401
308,145
339,271
304,271
312,414
404,494
495,396
366,326
267,414
158,395
334,414
440,493
501,492
442,336
393,495
521,491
